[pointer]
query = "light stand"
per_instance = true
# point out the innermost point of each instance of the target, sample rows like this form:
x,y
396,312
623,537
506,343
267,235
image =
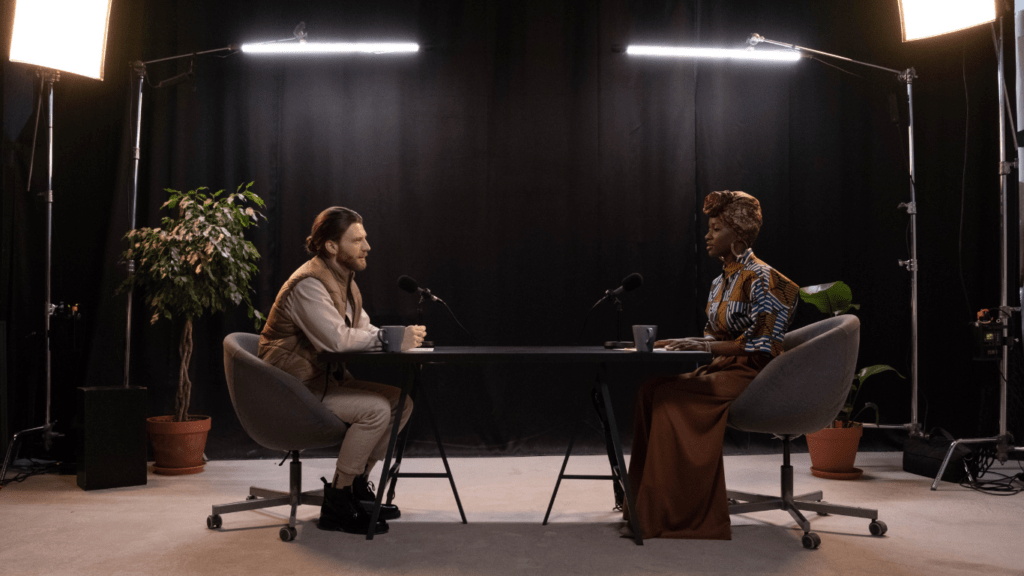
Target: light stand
x,y
49,77
285,46
906,76
55,36
1003,441
138,71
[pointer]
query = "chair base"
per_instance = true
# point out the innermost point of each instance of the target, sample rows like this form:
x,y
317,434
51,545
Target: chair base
x,y
260,498
745,502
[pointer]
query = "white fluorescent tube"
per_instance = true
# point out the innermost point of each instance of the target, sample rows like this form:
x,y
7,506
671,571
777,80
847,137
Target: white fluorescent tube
x,y
331,47
734,53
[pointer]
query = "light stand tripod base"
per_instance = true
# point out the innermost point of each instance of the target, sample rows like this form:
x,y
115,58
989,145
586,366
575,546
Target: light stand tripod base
x,y
12,448
1004,445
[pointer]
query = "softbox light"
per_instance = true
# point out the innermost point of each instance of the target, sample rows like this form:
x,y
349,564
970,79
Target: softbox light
x,y
66,35
927,18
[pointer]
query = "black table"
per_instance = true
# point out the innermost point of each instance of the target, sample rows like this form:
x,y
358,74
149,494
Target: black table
x,y
415,359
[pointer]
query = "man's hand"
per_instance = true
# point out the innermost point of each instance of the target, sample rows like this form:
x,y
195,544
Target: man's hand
x,y
414,336
682,344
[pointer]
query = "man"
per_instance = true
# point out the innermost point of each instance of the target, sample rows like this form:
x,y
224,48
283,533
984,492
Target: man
x,y
320,309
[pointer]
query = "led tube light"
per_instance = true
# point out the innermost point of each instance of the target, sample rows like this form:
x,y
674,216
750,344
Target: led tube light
x,y
730,53
927,18
331,48
66,35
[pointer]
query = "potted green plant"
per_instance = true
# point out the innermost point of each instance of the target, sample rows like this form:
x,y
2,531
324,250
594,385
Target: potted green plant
x,y
833,449
196,262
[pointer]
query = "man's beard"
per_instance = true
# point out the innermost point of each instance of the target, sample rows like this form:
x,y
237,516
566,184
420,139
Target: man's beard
x,y
350,262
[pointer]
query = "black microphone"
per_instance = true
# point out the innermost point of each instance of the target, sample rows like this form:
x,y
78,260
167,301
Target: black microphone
x,y
629,283
412,287
409,285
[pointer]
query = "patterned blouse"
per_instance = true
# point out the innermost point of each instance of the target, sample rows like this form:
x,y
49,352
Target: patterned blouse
x,y
751,303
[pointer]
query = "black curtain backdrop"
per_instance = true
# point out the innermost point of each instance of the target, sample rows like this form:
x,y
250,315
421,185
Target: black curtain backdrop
x,y
519,166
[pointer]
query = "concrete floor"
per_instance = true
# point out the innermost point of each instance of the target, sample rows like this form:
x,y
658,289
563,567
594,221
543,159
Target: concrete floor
x,y
50,526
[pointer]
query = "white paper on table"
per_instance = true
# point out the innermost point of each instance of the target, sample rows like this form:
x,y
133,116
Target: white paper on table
x,y
656,350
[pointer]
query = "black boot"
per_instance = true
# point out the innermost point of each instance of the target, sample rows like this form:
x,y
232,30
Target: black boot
x,y
342,512
362,491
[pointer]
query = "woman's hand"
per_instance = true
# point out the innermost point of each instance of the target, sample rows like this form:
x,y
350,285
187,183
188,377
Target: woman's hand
x,y
683,344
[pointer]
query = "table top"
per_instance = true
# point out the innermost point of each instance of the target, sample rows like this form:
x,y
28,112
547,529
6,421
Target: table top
x,y
517,354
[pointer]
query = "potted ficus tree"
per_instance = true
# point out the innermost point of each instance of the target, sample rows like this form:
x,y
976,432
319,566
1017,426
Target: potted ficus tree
x,y
833,449
197,262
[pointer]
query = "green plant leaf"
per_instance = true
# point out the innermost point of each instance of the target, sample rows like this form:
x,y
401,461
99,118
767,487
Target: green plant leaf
x,y
869,371
830,298
199,261
867,406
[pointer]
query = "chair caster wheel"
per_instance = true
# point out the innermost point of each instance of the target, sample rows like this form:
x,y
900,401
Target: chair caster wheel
x,y
287,533
811,541
732,501
823,514
878,528
213,521
251,497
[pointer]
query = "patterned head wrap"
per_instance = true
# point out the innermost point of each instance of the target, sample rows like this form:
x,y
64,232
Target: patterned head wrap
x,y
740,211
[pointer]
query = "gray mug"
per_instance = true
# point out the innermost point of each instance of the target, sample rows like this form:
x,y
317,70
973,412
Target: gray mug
x,y
391,338
644,337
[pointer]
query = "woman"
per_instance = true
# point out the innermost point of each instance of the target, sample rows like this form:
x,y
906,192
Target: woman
x,y
675,470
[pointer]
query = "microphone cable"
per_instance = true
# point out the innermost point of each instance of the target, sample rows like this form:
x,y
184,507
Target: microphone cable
x,y
448,308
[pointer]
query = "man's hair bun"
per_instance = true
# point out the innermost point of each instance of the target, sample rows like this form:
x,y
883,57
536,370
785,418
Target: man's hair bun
x,y
331,224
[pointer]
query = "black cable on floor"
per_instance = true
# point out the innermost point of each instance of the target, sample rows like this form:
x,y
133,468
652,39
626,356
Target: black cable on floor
x,y
1004,485
34,468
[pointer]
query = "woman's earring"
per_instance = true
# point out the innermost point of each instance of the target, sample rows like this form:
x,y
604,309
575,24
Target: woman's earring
x,y
733,249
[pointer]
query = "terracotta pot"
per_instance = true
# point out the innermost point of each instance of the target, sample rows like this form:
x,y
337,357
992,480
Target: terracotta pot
x,y
833,452
178,446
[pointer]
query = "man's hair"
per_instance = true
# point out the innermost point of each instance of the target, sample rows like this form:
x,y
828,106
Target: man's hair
x,y
331,224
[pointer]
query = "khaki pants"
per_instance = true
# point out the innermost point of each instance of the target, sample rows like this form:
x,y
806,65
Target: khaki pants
x,y
370,410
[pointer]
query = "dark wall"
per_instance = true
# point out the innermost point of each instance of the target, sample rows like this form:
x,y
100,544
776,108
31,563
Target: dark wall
x,y
519,167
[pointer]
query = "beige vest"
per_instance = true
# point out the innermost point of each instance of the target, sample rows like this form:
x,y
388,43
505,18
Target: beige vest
x,y
282,342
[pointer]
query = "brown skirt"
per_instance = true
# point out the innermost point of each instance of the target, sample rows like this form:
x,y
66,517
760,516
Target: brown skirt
x,y
676,472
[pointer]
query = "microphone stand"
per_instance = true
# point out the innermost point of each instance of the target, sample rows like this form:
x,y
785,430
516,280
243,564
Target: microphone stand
x,y
419,318
618,343
426,295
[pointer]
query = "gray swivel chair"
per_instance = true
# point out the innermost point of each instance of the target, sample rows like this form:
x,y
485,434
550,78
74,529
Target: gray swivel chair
x,y
279,413
799,392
